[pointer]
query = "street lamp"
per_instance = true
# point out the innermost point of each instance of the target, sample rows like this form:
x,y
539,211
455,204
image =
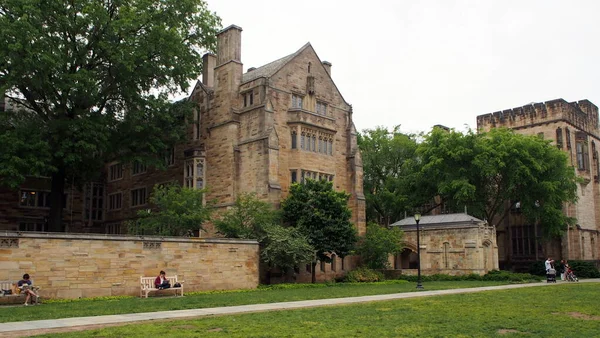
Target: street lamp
x,y
417,219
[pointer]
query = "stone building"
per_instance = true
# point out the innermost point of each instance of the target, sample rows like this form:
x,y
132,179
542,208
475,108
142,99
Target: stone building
x,y
573,128
452,244
253,132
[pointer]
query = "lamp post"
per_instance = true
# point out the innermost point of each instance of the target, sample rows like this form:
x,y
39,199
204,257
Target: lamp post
x,y
417,219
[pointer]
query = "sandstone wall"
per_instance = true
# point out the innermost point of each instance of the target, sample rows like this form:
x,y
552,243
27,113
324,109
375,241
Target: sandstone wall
x,y
454,251
76,265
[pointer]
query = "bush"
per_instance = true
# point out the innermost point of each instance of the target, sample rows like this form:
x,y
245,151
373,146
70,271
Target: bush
x,y
584,269
539,268
496,275
378,244
362,275
493,275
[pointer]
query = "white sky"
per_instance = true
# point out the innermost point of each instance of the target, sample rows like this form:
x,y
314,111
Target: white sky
x,y
420,63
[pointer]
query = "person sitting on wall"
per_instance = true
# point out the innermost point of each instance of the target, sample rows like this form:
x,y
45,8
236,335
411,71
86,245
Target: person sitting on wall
x,y
25,285
161,282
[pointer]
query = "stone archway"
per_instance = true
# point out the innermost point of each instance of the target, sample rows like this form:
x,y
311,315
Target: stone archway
x,y
407,259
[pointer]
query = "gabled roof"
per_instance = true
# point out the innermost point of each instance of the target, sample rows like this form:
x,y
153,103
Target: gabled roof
x,y
439,220
271,68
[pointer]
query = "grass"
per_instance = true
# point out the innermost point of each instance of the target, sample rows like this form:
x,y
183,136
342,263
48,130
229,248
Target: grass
x,y
564,310
82,308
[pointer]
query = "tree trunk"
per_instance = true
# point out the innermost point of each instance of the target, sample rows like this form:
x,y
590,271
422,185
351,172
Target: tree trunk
x,y
55,221
313,272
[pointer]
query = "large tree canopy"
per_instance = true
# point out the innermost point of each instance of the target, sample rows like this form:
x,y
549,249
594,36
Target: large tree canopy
x,y
491,172
388,165
323,216
94,77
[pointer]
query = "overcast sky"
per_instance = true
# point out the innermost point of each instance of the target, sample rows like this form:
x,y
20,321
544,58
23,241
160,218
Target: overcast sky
x,y
421,63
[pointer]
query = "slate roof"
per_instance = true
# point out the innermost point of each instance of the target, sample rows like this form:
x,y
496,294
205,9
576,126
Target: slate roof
x,y
449,219
271,68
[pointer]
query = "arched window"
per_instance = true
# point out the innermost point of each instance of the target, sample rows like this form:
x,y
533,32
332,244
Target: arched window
x,y
559,138
568,136
302,141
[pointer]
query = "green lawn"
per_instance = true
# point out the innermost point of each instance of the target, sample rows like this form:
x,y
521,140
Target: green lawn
x,y
134,305
564,310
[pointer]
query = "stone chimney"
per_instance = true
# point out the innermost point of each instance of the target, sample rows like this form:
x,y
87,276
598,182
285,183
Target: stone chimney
x,y
229,45
209,61
327,66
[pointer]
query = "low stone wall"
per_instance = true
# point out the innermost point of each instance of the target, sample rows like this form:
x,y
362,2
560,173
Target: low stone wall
x,y
79,265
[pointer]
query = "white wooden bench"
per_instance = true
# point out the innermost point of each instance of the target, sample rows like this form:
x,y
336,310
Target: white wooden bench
x,y
15,291
147,285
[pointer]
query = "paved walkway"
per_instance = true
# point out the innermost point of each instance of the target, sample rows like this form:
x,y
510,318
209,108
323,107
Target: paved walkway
x,y
21,328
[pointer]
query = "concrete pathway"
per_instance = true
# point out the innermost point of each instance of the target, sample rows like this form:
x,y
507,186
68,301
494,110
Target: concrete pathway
x,y
21,328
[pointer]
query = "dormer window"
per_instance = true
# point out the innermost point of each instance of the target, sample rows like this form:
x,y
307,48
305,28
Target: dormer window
x,y
297,101
248,99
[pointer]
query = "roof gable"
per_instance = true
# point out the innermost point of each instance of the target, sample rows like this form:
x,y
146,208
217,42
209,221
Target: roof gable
x,y
271,68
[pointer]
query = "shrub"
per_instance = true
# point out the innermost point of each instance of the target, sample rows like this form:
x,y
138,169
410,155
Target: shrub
x,y
584,269
538,268
377,244
493,275
363,274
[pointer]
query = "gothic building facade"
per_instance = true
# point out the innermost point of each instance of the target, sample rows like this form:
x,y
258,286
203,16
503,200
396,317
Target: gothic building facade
x,y
257,131
573,128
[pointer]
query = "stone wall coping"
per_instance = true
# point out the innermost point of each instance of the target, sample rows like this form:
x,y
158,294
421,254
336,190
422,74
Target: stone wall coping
x,y
111,237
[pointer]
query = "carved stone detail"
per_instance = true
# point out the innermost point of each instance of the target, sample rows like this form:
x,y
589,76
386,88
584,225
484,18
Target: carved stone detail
x,y
9,242
152,245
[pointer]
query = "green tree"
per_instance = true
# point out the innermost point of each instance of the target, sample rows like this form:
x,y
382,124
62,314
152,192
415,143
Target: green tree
x,y
251,218
247,218
177,212
388,166
285,248
94,78
323,216
491,172
378,244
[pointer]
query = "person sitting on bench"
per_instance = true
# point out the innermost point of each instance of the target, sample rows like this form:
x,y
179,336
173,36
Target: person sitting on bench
x,y
25,285
161,282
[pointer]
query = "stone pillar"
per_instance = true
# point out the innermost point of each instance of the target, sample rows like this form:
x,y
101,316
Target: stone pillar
x,y
209,61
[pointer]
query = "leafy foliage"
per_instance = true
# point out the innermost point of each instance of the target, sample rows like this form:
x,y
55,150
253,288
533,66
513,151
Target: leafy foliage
x,y
582,269
364,275
252,218
247,218
491,172
378,244
90,81
285,247
323,216
178,211
494,275
388,165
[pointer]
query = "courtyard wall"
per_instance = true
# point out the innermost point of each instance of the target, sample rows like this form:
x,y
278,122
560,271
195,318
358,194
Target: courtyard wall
x,y
68,265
